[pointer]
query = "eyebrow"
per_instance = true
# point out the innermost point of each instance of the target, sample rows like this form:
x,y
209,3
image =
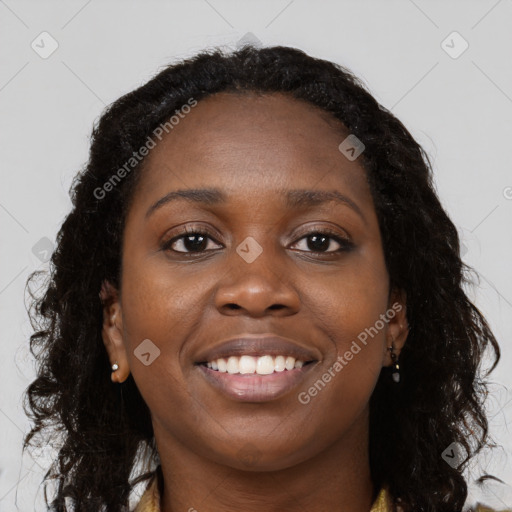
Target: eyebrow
x,y
298,198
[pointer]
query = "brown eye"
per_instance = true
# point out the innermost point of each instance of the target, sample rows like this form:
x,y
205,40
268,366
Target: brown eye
x,y
322,241
189,242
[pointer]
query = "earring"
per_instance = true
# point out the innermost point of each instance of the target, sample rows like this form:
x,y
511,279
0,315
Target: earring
x,y
115,367
396,371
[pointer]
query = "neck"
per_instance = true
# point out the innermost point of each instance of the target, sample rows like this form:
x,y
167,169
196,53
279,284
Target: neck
x,y
336,479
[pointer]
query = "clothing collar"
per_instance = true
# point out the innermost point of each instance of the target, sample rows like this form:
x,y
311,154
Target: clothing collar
x,y
150,500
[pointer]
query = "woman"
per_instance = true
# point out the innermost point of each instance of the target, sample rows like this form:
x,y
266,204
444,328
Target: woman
x,y
258,289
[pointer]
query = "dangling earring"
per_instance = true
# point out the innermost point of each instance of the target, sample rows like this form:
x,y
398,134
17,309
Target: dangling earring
x,y
396,370
115,367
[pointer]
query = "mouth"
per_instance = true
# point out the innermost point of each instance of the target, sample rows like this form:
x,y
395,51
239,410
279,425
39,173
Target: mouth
x,y
256,368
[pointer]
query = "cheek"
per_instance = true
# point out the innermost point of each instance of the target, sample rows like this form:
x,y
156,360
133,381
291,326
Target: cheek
x,y
351,299
157,304
158,308
351,312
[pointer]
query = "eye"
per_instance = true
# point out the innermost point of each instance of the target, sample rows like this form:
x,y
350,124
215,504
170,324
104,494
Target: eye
x,y
319,241
192,240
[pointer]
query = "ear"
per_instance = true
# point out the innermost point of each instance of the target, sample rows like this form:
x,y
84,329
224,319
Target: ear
x,y
112,331
398,328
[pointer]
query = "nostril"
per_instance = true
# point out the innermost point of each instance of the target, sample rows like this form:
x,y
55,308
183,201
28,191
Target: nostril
x,y
277,306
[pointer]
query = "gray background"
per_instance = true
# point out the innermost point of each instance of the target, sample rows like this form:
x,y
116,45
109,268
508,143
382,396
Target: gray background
x,y
459,107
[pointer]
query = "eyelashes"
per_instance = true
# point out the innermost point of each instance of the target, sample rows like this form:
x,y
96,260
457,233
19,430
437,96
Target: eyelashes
x,y
194,241
186,238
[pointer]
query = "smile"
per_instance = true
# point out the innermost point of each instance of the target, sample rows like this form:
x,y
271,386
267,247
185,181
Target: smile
x,y
253,386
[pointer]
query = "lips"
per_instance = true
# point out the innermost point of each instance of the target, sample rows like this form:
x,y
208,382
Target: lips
x,y
258,345
254,387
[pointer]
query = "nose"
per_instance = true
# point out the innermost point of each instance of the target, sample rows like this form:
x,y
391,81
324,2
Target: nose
x,y
261,287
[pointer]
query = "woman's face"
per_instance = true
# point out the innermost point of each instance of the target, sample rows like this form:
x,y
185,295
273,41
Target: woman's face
x,y
266,160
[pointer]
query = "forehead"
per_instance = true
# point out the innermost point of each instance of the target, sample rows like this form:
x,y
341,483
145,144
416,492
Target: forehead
x,y
249,144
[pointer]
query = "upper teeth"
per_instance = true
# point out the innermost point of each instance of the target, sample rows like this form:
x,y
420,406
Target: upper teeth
x,y
263,365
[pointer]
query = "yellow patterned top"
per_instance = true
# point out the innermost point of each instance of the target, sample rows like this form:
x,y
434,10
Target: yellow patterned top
x,y
150,500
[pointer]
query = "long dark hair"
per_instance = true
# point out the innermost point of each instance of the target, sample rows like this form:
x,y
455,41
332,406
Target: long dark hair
x,y
101,426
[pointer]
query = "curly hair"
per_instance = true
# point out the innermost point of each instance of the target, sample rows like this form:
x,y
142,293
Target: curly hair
x,y
102,426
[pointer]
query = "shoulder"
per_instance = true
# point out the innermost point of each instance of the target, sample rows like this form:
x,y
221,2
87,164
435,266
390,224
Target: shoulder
x,y
384,503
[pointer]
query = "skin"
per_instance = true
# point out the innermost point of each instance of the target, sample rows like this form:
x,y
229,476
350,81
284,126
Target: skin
x,y
280,455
